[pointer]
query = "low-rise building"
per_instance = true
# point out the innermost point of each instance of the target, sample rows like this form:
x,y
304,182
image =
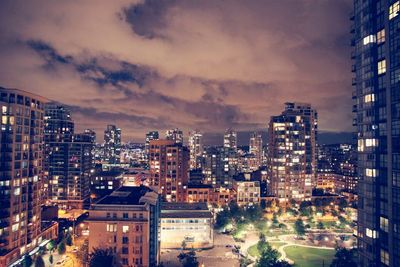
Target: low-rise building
x,y
247,192
191,223
127,221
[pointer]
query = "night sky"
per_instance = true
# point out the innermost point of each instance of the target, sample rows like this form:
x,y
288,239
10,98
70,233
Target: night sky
x,y
153,65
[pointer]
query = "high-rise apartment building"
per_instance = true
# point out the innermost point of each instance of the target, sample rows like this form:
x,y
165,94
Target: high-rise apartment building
x,y
68,159
175,135
127,222
220,165
169,165
153,135
376,94
256,147
112,144
292,152
196,149
230,139
21,164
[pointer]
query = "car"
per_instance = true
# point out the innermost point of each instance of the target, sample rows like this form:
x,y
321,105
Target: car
x,y
228,246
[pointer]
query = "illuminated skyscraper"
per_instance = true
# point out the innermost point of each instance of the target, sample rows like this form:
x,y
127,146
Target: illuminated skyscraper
x,y
292,152
376,94
21,164
169,169
230,139
175,135
256,147
69,158
112,144
196,149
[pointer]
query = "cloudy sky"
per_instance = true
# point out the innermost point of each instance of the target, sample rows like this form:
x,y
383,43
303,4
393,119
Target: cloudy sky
x,y
158,64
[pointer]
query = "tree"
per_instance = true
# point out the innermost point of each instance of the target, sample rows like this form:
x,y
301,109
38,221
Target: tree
x,y
27,262
269,258
222,219
61,248
262,243
39,262
343,203
188,259
263,204
344,258
320,225
102,258
299,227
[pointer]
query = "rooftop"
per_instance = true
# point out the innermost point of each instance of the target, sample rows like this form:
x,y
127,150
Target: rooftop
x,y
182,206
126,195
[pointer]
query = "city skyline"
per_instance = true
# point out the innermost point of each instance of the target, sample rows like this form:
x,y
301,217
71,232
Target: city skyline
x,y
151,59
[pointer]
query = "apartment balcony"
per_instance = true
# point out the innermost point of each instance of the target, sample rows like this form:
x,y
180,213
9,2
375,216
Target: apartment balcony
x,y
353,55
353,68
352,16
353,81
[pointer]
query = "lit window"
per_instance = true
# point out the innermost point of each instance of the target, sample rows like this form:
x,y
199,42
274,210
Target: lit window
x,y
394,10
369,98
369,39
125,229
380,36
111,227
371,172
371,142
381,66
360,145
370,233
384,224
384,257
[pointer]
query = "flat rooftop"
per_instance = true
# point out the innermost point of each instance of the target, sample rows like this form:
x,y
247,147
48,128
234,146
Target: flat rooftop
x,y
125,195
185,210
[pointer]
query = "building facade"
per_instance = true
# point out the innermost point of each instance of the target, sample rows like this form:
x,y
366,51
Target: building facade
x,y
230,139
112,145
21,172
69,159
376,94
247,193
127,222
169,165
175,135
196,149
256,147
292,152
153,135
187,223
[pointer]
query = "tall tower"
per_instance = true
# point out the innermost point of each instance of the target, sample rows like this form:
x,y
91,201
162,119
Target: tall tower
x,y
69,158
112,144
292,152
376,95
256,147
175,135
169,169
196,149
230,139
21,164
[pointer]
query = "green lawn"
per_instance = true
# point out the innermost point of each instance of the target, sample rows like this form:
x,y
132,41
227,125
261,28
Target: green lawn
x,y
309,257
253,251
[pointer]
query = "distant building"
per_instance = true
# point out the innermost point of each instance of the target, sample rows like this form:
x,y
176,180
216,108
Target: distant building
x,y
103,183
230,139
153,135
256,147
169,169
292,152
175,135
196,149
220,165
218,196
191,223
127,221
112,145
